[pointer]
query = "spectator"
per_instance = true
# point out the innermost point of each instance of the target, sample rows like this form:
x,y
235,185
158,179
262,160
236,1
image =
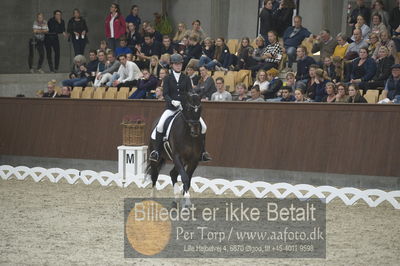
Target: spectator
x,y
154,66
149,48
128,73
194,51
256,60
379,8
180,33
273,52
142,31
255,95
166,47
321,79
291,82
261,81
133,17
394,22
158,37
39,29
159,94
384,63
363,69
386,41
78,76
365,30
360,10
197,30
377,25
123,48
77,30
91,67
342,95
161,75
183,46
330,90
65,92
284,16
51,93
206,85
133,36
287,94
103,47
311,85
323,43
266,19
221,95
194,78
373,42
243,53
101,66
392,86
56,26
241,93
354,94
339,73
111,67
354,47
115,26
303,64
342,46
293,37
299,96
221,59
329,68
145,85
275,84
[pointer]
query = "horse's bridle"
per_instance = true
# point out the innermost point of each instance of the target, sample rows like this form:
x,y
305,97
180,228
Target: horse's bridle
x,y
191,122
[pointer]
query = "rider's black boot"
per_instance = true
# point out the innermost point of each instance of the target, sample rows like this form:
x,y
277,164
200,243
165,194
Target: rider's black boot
x,y
205,156
156,153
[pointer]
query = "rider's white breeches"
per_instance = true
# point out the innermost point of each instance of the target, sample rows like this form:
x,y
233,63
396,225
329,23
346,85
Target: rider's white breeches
x,y
167,113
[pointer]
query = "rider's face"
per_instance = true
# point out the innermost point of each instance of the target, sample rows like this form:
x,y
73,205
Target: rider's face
x,y
177,67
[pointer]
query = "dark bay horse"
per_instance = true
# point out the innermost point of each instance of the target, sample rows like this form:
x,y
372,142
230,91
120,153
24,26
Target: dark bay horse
x,y
185,146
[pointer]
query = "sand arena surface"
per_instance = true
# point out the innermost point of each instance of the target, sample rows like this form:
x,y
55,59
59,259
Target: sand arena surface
x,y
47,223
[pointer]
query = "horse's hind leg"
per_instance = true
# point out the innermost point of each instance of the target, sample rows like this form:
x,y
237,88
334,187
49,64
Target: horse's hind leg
x,y
154,171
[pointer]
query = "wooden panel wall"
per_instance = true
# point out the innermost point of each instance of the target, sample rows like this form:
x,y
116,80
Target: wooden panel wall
x,y
332,138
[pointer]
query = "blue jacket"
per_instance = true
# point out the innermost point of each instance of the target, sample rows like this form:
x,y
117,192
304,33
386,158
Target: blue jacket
x,y
297,39
320,92
303,68
369,67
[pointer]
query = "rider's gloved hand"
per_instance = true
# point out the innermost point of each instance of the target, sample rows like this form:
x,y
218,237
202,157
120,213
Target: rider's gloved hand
x,y
176,103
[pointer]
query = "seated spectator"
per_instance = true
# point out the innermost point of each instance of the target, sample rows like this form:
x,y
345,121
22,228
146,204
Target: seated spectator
x,y
163,73
167,47
354,47
103,47
149,48
194,78
221,95
144,85
293,37
101,66
273,52
50,93
243,53
256,60
388,43
206,85
342,46
384,63
221,59
78,76
91,67
65,92
183,46
164,62
392,86
287,94
133,17
339,72
379,8
133,37
329,68
363,27
255,95
377,26
241,93
342,95
299,96
154,66
275,84
324,43
111,66
123,47
159,93
128,73
363,69
158,37
303,64
373,41
262,81
311,84
142,30
321,79
354,94
194,51
197,30
330,90
291,82
362,10
180,33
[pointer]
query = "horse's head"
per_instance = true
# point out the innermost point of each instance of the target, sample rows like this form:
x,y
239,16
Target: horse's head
x,y
192,112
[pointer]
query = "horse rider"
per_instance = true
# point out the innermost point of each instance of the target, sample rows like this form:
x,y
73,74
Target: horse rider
x,y
176,86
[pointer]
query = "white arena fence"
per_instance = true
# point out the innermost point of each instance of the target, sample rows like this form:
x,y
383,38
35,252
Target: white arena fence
x,y
260,189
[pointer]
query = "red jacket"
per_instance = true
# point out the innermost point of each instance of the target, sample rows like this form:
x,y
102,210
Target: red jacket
x,y
119,26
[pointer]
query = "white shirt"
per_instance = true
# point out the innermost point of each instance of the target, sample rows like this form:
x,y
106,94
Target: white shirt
x,y
177,75
112,24
263,85
129,72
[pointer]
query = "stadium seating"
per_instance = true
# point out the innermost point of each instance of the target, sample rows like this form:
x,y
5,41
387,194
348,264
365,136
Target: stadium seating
x,y
99,93
122,94
76,93
372,96
87,93
233,45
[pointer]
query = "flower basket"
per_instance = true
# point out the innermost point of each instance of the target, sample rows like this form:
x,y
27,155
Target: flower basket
x,y
133,131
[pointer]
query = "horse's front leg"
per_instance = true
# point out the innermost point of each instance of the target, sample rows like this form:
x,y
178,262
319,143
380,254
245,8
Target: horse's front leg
x,y
174,178
189,171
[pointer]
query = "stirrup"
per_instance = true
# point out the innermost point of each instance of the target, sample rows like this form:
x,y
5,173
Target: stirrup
x,y
205,157
154,156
